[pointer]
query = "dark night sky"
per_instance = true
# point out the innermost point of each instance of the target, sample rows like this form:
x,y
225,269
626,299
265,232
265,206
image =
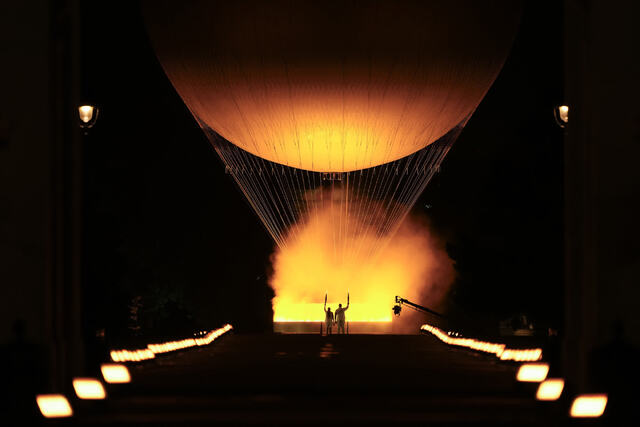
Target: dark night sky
x,y
162,214
498,199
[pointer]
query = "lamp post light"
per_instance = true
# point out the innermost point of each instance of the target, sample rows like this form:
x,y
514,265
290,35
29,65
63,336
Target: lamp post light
x,y
87,114
561,114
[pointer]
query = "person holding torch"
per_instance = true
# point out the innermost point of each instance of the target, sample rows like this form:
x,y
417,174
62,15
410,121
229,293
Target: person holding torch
x,y
328,316
340,317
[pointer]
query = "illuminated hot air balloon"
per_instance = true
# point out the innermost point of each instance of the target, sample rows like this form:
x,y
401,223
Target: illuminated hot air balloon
x,y
347,103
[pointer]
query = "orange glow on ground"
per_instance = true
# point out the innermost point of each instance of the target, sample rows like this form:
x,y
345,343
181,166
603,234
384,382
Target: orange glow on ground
x,y
308,312
319,259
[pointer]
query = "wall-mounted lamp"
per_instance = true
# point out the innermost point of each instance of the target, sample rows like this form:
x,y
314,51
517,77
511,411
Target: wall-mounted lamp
x,y
561,113
88,114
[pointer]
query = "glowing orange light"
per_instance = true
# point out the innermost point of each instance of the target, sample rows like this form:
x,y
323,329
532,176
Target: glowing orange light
x,y
131,355
213,335
323,255
115,373
563,113
88,388
589,406
533,372
375,98
153,349
550,389
54,405
172,345
528,355
86,113
500,350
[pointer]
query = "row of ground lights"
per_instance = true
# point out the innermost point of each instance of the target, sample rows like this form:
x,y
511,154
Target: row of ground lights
x,y
499,350
549,389
58,406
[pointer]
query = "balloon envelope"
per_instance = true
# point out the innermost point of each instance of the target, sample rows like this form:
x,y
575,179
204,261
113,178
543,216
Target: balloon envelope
x,y
332,86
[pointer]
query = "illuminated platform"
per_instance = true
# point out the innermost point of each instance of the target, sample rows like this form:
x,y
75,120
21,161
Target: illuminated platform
x,y
312,380
314,327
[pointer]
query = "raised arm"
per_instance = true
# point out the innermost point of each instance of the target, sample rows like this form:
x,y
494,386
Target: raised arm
x,y
347,301
325,303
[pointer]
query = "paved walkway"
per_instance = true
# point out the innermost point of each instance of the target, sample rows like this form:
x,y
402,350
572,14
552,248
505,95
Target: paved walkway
x,y
313,380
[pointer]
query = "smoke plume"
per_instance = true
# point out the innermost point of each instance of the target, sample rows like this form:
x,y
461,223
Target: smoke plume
x,y
334,254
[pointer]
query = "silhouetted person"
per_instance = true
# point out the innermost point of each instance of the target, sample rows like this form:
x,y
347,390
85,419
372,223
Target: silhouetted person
x,y
328,316
328,320
340,317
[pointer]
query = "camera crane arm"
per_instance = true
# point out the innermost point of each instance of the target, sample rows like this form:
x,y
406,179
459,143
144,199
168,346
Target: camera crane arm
x,y
400,301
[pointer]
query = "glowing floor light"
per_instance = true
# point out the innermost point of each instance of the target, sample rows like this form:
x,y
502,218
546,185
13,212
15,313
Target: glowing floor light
x,y
166,347
533,372
54,405
550,389
89,388
499,350
132,355
526,355
588,406
115,373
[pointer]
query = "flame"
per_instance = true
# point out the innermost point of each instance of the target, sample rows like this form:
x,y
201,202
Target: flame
x,y
335,254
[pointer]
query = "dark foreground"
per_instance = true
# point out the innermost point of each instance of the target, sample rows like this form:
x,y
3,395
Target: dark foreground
x,y
313,380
